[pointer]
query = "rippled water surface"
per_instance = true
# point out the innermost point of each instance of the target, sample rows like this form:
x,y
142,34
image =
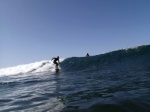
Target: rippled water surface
x,y
113,82
81,91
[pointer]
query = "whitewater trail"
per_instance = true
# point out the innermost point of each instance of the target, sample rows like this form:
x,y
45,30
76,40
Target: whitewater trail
x,y
41,66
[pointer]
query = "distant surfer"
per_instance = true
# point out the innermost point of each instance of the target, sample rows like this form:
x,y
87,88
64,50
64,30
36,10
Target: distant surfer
x,y
87,55
56,61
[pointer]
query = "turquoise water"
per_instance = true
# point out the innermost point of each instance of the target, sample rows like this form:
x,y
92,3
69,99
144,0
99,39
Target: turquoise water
x,y
117,81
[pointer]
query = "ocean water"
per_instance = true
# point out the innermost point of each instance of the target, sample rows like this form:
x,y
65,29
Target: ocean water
x,y
117,81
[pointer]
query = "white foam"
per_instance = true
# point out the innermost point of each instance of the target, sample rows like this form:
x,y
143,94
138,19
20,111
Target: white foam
x,y
42,66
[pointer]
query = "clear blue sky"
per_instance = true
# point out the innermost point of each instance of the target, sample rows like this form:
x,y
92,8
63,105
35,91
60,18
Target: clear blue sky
x,y
35,30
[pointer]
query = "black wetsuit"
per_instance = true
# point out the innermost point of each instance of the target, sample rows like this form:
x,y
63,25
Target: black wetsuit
x,y
55,61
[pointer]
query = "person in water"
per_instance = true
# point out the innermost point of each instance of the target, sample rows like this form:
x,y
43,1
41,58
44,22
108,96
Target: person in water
x,y
56,61
87,55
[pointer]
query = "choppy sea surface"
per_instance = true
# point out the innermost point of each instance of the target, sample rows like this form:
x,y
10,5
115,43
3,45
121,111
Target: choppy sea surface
x,y
117,81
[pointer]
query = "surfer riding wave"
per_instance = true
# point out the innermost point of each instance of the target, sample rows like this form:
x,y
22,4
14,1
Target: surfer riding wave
x,y
56,61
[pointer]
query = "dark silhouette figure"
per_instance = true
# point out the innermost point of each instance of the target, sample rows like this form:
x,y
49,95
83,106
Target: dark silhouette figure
x,y
87,55
56,61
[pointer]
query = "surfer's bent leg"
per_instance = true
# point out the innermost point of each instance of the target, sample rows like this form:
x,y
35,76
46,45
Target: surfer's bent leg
x,y
56,65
